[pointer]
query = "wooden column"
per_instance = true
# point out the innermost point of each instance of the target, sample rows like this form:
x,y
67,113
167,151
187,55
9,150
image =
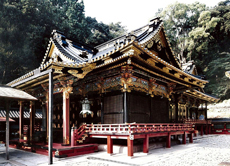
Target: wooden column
x,y
50,144
209,129
146,144
176,108
102,108
66,125
125,107
47,116
206,111
44,114
21,119
184,138
7,129
191,138
32,119
168,141
195,129
206,129
130,145
201,130
109,145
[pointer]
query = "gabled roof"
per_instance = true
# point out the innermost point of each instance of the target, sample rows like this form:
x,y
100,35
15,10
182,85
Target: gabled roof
x,y
149,39
189,67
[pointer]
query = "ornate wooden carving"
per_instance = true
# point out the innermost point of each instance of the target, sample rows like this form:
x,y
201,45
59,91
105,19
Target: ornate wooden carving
x,y
126,80
171,86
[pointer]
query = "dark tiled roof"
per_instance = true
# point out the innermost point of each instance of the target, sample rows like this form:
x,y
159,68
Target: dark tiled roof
x,y
15,114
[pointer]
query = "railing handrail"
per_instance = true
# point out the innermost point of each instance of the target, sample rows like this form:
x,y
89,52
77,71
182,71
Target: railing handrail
x,y
194,121
138,127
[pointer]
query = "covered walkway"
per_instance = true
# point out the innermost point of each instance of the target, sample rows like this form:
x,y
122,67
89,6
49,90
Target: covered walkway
x,y
7,94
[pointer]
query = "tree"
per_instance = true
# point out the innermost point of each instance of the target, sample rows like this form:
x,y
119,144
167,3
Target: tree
x,y
179,19
26,25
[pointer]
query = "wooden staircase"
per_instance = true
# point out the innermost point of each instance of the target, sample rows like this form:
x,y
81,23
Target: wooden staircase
x,y
78,136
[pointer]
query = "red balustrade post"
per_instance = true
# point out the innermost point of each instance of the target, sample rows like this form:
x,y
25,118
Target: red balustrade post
x,y
191,138
146,144
72,137
130,145
184,138
109,145
195,129
201,130
206,129
168,142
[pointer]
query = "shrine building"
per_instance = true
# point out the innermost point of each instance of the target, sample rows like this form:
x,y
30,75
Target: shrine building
x,y
134,78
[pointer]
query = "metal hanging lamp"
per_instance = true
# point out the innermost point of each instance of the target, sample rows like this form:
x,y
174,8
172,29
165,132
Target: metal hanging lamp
x,y
86,106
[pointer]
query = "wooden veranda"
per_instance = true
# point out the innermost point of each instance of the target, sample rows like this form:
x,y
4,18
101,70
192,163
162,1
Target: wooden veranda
x,y
131,132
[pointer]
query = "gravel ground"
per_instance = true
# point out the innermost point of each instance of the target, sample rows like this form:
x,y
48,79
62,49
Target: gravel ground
x,y
211,150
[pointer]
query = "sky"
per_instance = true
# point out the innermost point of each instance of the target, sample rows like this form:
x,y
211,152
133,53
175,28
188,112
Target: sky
x,y
131,13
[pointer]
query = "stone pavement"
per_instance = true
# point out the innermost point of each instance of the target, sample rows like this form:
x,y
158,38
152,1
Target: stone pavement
x,y
211,150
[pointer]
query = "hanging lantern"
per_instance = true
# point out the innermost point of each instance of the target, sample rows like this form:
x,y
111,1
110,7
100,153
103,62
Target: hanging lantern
x,y
86,106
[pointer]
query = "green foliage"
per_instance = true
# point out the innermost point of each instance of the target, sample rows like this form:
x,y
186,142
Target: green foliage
x,y
202,34
26,25
179,20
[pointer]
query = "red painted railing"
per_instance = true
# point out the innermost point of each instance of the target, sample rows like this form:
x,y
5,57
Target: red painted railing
x,y
137,128
76,134
126,129
197,121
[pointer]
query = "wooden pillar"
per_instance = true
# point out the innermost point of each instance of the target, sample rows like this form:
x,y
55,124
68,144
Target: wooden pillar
x,y
66,125
176,137
209,129
32,119
191,138
184,138
44,122
47,116
195,129
102,109
146,144
21,119
176,108
206,111
109,145
130,145
125,107
168,141
201,130
50,144
206,129
7,129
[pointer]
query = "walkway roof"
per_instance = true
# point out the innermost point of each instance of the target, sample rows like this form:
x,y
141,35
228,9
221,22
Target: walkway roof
x,y
12,93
